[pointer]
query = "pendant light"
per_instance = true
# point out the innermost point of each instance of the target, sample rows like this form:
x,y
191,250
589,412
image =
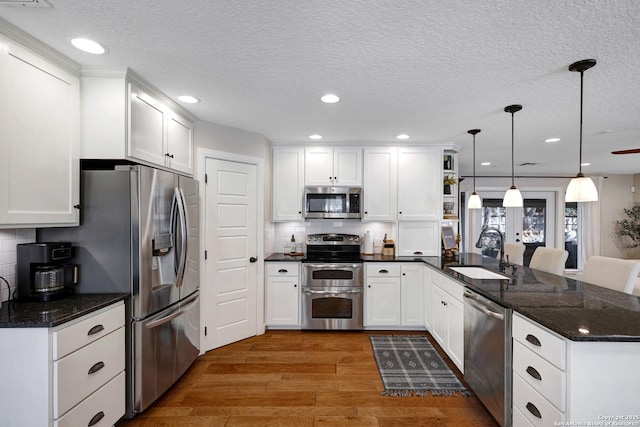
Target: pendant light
x,y
581,188
474,200
512,198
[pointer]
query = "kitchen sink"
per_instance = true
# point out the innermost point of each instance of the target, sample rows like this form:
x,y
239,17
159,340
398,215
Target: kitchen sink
x,y
473,272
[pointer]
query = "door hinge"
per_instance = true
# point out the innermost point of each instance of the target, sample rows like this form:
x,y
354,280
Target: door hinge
x,y
205,254
206,178
205,331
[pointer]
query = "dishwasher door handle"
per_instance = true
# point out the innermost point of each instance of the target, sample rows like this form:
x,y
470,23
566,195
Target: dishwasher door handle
x,y
473,303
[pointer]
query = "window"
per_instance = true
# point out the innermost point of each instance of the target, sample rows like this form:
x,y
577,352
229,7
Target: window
x,y
571,231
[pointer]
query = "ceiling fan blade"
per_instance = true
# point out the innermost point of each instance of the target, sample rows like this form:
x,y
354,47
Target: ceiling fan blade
x,y
631,151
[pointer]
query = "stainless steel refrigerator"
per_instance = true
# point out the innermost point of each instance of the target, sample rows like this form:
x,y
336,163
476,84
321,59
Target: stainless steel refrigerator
x,y
138,234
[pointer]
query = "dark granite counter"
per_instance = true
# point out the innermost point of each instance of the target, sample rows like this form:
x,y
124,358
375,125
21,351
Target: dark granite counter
x,y
574,309
15,314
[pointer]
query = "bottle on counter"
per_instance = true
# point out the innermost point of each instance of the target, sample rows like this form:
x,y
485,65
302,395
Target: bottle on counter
x,y
293,244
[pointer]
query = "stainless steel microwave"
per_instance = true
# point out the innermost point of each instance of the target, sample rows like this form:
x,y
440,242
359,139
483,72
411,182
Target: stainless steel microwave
x,y
333,203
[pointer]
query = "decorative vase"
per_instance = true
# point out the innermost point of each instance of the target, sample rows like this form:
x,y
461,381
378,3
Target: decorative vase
x,y
447,189
448,208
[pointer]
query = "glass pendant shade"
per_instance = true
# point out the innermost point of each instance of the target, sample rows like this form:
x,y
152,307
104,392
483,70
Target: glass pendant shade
x,y
512,198
474,201
581,189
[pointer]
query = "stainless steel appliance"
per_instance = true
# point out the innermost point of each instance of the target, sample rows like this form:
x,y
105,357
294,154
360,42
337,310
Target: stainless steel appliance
x,y
487,354
332,203
43,271
332,283
139,235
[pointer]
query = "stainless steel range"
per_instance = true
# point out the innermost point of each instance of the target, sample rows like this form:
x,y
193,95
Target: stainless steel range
x,y
332,283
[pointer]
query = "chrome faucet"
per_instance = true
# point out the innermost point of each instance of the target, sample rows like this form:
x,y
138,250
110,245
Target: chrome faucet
x,y
496,230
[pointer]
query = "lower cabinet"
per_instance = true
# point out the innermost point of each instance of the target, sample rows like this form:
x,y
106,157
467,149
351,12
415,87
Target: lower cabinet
x,y
393,295
282,294
69,375
447,323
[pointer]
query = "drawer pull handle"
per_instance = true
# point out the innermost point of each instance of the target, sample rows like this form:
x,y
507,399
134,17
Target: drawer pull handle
x,y
95,330
533,340
95,368
383,271
534,411
417,253
534,373
283,270
96,419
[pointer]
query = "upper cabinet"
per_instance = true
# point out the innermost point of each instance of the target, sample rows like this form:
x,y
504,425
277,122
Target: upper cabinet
x,y
288,183
125,117
39,147
419,183
380,195
335,166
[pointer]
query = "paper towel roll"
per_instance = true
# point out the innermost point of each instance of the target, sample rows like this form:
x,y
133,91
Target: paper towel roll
x,y
368,244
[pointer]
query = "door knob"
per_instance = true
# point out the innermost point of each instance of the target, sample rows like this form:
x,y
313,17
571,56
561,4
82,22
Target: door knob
x,y
253,259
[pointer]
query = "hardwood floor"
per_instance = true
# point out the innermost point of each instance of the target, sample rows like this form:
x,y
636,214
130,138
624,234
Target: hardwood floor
x,y
294,378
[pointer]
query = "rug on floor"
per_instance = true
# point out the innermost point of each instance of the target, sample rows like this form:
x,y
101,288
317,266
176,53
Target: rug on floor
x,y
410,366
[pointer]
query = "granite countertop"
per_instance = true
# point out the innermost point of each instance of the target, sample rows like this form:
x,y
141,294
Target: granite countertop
x,y
564,305
17,314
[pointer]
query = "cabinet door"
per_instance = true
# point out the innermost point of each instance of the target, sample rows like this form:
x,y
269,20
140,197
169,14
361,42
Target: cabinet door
x,y
39,143
282,301
288,184
439,311
412,305
428,310
179,144
455,340
383,301
146,127
419,238
419,184
318,166
347,166
380,194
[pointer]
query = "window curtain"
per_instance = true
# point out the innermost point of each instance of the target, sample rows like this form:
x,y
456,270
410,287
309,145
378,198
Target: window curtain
x,y
589,241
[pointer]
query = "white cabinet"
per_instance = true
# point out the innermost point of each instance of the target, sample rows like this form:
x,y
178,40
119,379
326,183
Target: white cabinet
x,y
394,294
382,294
124,117
426,292
282,295
68,375
287,172
419,184
419,238
40,143
380,196
448,316
337,166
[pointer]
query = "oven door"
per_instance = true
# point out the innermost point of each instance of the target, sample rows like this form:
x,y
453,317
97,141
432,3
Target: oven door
x,y
332,308
333,274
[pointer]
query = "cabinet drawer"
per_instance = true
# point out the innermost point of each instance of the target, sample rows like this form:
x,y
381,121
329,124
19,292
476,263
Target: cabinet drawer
x,y
77,335
72,380
540,340
280,269
533,406
107,405
375,269
452,287
545,378
519,420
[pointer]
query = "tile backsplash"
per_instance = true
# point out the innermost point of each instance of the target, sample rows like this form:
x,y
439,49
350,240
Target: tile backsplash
x,y
9,238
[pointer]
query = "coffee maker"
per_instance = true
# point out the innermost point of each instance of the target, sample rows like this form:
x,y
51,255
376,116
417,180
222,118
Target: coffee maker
x,y
44,272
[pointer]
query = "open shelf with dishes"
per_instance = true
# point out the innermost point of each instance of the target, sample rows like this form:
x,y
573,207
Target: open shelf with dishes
x,y
450,188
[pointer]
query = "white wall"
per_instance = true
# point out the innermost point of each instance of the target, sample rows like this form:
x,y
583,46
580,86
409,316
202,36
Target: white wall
x,y
9,238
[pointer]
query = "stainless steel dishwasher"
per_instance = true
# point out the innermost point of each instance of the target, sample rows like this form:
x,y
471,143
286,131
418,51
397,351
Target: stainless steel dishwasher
x,y
487,354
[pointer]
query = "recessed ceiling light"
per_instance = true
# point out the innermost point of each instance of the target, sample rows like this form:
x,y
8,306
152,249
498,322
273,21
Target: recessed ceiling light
x,y
583,331
315,136
485,164
552,140
188,99
402,136
330,98
585,164
89,46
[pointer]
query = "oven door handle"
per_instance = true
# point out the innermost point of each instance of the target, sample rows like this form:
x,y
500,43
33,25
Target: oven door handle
x,y
355,291
339,266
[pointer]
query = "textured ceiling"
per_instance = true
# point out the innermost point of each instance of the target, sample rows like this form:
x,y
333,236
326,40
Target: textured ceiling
x,y
431,69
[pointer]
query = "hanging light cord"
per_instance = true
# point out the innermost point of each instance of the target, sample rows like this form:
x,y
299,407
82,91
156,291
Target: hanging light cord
x,y
474,163
513,182
581,96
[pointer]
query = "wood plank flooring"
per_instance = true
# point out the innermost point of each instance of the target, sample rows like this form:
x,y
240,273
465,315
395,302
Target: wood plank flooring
x,y
300,379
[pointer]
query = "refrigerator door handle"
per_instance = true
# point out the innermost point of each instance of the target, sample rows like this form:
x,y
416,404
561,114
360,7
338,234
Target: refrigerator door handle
x,y
186,306
182,223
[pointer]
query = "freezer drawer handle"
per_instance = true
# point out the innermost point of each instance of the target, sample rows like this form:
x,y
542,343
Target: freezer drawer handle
x,y
534,373
534,411
171,316
96,419
533,340
95,330
95,368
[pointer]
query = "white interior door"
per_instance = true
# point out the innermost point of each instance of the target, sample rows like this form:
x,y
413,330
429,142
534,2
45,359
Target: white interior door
x,y
230,307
